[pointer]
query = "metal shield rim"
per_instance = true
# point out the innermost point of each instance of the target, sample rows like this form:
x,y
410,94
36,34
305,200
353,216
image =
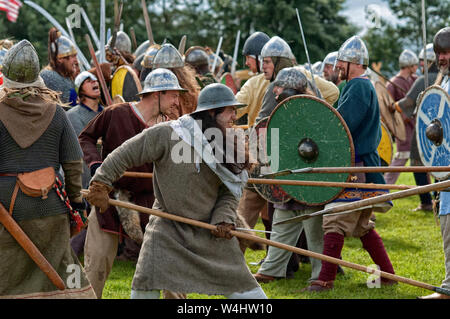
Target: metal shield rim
x,y
438,175
347,130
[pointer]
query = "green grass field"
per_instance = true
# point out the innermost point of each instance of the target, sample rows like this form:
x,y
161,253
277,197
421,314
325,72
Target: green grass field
x,y
412,239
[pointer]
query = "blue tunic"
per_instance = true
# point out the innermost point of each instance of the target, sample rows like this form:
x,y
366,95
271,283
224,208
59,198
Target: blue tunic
x,y
359,107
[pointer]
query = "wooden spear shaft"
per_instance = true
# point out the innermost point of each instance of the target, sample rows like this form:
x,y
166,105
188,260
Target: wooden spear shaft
x,y
100,77
354,206
298,183
366,169
30,248
148,25
296,250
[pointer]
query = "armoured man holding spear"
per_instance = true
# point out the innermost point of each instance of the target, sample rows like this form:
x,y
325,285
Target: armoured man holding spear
x,y
174,255
358,105
115,125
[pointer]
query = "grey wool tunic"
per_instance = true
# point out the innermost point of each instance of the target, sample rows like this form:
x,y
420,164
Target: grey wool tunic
x,y
177,256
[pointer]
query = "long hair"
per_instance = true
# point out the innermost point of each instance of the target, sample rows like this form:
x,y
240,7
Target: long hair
x,y
206,121
186,79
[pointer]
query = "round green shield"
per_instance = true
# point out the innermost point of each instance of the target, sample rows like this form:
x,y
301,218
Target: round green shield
x,y
305,131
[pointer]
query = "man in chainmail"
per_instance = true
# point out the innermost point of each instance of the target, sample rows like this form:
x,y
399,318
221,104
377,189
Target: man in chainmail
x,y
63,67
48,141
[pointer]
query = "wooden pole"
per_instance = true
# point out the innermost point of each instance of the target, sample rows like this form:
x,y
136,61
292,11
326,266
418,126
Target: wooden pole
x,y
278,245
25,242
148,26
298,183
100,77
367,169
354,206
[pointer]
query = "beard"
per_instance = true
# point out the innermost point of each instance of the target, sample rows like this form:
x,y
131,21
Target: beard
x,y
444,67
333,77
67,70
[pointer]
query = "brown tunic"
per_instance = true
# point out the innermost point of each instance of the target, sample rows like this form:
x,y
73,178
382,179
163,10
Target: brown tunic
x,y
115,125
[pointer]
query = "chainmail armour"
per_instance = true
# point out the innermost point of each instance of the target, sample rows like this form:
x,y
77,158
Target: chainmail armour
x,y
57,145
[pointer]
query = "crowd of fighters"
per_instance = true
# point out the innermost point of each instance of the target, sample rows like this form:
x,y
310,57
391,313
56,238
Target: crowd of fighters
x,y
58,135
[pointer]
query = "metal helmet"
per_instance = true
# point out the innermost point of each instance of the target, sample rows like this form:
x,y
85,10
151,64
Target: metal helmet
x,y
149,56
408,58
196,56
431,56
168,57
215,96
65,47
142,48
254,44
291,78
330,58
21,63
277,47
317,68
83,76
123,42
354,50
219,61
441,41
161,80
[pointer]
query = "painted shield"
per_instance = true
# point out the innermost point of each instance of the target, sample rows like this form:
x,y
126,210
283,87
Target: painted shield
x,y
272,193
126,84
228,80
304,131
393,121
385,148
433,129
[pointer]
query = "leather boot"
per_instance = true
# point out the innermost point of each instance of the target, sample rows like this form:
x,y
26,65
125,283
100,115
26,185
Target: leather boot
x,y
319,286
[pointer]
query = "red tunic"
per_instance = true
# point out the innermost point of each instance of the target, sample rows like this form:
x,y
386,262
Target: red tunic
x,y
397,95
115,125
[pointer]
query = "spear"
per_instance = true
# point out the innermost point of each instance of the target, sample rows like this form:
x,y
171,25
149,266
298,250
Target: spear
x,y
296,250
133,38
102,31
235,53
100,77
307,54
90,28
369,202
298,183
148,26
386,79
363,169
213,69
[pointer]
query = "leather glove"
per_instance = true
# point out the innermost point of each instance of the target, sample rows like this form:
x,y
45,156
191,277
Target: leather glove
x,y
98,196
223,230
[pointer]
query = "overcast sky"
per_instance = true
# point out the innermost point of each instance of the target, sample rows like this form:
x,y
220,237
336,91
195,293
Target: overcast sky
x,y
355,10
